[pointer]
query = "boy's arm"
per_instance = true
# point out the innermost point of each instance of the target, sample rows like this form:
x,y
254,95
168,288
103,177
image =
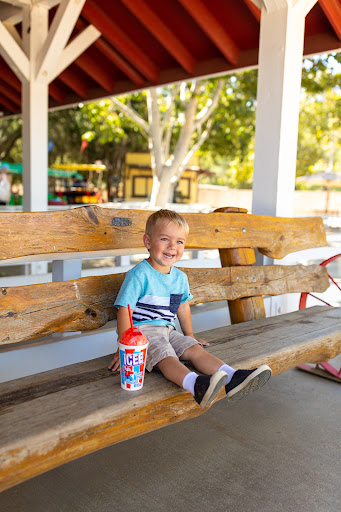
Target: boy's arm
x,y
123,323
185,320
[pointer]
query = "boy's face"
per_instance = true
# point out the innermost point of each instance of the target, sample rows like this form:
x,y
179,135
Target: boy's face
x,y
166,245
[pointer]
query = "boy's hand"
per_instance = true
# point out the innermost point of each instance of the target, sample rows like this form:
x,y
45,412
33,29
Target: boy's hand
x,y
115,363
202,342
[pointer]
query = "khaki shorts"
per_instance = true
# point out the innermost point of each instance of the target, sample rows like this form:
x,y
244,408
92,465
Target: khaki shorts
x,y
164,341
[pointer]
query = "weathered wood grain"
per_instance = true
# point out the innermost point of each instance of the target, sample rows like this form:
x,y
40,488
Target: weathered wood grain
x,y
92,228
241,309
57,416
34,311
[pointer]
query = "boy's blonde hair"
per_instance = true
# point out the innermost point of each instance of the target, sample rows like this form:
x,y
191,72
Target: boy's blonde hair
x,y
168,216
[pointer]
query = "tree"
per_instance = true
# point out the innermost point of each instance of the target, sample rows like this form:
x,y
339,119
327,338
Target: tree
x,y
109,136
230,148
10,139
179,121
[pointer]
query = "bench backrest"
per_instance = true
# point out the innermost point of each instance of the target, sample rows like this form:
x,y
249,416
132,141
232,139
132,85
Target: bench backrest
x,y
33,311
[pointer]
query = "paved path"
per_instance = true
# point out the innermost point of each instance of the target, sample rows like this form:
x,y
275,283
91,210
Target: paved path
x,y
279,450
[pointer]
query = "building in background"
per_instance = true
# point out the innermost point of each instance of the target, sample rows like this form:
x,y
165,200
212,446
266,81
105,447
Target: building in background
x,y
138,179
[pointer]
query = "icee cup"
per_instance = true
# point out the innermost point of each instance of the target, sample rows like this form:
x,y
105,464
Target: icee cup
x,y
132,346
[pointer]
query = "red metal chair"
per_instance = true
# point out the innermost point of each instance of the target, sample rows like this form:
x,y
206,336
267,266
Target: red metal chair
x,y
325,370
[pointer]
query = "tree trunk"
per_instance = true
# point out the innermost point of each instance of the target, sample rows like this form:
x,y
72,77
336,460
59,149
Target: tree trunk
x,y
166,169
162,192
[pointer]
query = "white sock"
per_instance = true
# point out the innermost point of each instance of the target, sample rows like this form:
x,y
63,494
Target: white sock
x,y
189,381
229,370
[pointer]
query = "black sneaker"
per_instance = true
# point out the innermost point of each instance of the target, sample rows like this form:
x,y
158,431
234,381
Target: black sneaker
x,y
245,382
207,387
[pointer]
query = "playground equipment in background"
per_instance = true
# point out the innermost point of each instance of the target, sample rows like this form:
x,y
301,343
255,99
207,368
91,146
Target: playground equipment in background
x,y
79,192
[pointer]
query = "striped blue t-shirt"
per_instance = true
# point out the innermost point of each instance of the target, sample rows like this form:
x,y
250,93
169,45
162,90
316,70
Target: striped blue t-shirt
x,y
153,297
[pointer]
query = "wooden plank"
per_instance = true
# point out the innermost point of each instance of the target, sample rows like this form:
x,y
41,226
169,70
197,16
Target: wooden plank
x,y
31,312
58,416
92,228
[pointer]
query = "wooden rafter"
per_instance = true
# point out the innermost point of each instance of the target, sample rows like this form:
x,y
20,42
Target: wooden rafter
x,y
213,28
13,54
10,93
110,53
14,33
162,33
11,78
20,3
119,39
74,49
56,93
95,70
58,36
332,9
253,9
8,104
74,82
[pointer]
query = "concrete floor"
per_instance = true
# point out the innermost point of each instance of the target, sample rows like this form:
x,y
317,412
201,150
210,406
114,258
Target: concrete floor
x,y
278,450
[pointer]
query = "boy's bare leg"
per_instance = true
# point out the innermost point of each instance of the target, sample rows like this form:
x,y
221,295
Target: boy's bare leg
x,y
173,370
239,384
204,388
203,361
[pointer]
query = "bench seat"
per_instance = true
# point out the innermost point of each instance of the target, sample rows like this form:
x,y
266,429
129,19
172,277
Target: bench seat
x,y
57,416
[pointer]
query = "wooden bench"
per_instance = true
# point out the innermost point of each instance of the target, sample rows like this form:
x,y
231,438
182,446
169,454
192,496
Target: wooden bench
x,y
59,415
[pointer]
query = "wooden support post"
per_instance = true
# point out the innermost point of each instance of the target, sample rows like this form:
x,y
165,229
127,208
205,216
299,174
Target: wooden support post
x,y
248,308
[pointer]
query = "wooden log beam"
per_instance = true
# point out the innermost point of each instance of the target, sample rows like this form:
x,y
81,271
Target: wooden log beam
x,y
54,417
31,312
92,228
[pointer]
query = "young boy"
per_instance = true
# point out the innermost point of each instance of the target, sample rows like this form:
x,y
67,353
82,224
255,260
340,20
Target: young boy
x,y
157,292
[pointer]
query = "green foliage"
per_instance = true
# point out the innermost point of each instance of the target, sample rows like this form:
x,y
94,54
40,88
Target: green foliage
x,y
229,149
231,142
109,134
10,139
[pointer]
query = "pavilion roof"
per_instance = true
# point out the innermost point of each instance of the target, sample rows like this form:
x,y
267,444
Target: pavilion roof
x,y
153,42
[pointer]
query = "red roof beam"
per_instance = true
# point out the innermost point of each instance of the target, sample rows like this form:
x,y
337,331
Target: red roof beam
x,y
162,33
10,93
114,57
213,28
118,38
254,9
8,104
95,70
332,9
74,82
56,93
11,78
